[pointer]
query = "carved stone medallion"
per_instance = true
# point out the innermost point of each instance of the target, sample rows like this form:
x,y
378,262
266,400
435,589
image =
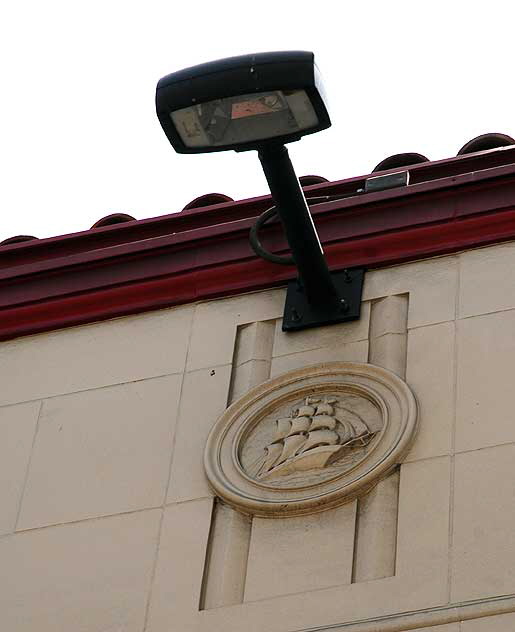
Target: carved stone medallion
x,y
310,439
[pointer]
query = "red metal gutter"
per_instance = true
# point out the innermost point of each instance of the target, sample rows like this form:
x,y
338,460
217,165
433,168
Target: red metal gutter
x,y
204,253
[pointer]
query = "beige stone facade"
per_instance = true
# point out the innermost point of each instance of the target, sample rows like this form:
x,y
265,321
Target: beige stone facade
x,y
108,523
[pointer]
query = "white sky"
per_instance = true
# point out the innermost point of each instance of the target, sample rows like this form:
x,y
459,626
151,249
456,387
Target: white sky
x,y
79,137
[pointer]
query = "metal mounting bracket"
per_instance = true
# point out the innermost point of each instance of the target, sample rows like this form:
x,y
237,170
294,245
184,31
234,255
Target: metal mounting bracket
x,y
299,313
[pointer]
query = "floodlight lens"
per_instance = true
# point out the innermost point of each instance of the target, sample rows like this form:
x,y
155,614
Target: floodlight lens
x,y
245,118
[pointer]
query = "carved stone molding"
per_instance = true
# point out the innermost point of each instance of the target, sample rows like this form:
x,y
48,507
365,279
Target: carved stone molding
x,y
310,439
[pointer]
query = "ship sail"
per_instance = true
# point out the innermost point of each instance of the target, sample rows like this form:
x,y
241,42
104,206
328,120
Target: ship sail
x,y
359,427
326,408
313,436
283,429
318,438
272,453
323,421
291,445
348,432
300,424
354,427
306,411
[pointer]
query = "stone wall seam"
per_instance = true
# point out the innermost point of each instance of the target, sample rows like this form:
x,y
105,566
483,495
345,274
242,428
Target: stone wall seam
x,y
177,408
453,432
427,617
484,447
363,338
93,388
206,368
94,355
185,501
165,496
26,477
55,525
487,313
196,416
153,571
440,322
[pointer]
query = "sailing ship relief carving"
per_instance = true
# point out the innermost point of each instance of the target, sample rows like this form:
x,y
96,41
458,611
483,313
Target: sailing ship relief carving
x,y
316,434
310,439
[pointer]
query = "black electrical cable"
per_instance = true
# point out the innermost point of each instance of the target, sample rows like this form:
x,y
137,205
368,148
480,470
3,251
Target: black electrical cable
x,y
269,215
255,242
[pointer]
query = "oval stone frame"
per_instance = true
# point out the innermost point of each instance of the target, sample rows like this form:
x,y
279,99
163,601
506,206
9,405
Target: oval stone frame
x,y
392,397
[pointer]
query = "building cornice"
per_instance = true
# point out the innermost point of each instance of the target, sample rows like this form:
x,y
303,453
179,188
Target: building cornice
x,y
204,253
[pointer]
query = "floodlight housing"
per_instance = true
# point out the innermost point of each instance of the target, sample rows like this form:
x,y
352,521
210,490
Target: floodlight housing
x,y
261,102
243,102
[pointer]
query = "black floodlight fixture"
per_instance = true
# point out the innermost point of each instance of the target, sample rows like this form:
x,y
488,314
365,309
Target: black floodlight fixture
x,y
239,102
260,102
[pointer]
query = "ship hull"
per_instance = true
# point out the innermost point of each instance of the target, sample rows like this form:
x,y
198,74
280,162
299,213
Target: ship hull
x,y
313,459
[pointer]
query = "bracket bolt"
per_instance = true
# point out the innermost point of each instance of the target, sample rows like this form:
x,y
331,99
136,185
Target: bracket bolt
x,y
295,316
343,305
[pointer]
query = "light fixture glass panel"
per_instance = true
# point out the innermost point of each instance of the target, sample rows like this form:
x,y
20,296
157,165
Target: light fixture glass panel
x,y
245,118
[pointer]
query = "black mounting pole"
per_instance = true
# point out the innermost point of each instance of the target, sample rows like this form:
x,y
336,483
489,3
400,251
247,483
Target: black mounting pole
x,y
298,225
321,298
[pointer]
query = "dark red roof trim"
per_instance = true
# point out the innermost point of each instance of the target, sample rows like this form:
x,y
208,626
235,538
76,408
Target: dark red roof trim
x,y
204,253
114,218
207,200
17,239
